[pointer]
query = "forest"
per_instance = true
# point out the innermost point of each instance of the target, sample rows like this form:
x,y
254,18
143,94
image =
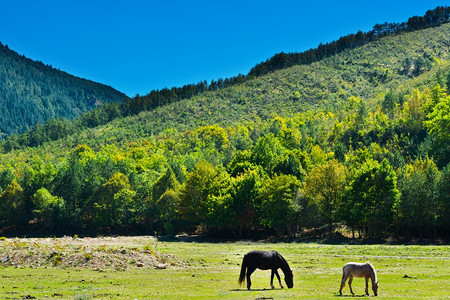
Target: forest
x,y
32,92
358,139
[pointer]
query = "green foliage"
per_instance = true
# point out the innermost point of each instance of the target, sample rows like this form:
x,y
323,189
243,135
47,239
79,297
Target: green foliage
x,y
276,202
166,182
49,209
6,177
444,198
167,210
438,119
242,205
126,207
12,205
325,186
114,200
163,207
372,198
267,153
420,206
194,193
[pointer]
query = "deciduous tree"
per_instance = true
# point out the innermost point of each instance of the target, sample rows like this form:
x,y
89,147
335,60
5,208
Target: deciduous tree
x,y
325,186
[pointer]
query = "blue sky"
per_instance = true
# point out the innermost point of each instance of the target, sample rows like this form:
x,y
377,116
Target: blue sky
x,y
136,46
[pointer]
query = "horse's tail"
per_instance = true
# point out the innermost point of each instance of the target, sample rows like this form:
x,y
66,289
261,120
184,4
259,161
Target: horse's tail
x,y
243,269
344,272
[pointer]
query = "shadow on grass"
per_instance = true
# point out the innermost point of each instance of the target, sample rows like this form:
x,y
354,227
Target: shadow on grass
x,y
253,290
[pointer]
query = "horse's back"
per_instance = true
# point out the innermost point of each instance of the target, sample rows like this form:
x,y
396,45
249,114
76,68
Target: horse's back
x,y
261,254
356,265
357,269
261,259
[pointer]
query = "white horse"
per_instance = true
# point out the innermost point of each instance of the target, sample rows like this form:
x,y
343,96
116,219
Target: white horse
x,y
359,270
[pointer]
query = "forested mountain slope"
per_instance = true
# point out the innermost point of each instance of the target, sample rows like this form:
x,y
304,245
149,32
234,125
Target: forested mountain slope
x,y
31,92
359,139
414,65
432,18
367,72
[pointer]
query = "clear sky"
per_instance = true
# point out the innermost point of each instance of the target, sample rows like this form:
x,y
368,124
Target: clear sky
x,y
136,46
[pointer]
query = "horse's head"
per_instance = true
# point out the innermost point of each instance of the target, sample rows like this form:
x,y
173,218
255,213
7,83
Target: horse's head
x,y
289,279
375,288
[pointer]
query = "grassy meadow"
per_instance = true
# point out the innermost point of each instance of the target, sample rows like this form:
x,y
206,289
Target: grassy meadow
x,y
209,270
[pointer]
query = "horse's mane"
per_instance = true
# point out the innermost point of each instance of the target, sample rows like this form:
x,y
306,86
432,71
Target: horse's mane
x,y
373,271
285,267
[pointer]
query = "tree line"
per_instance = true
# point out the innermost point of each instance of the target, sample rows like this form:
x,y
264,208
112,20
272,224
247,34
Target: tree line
x,y
432,18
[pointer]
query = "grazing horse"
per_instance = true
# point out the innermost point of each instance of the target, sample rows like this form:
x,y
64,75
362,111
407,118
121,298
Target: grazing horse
x,y
265,260
359,270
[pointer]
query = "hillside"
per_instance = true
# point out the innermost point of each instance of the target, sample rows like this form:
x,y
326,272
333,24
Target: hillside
x,y
31,93
432,18
414,65
368,72
358,139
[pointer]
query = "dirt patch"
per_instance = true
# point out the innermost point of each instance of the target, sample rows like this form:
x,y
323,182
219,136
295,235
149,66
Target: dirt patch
x,y
118,253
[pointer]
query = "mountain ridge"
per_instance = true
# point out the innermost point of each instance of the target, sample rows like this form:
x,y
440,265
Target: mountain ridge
x,y
32,92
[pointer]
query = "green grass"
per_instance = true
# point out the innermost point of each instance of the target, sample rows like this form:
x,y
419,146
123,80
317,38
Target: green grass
x,y
211,270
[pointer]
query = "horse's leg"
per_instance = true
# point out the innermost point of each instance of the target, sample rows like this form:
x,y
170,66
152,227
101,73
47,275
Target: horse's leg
x,y
278,276
250,270
367,286
344,279
271,279
350,284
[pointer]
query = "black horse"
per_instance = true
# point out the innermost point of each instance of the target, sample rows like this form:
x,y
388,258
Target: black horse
x,y
265,260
